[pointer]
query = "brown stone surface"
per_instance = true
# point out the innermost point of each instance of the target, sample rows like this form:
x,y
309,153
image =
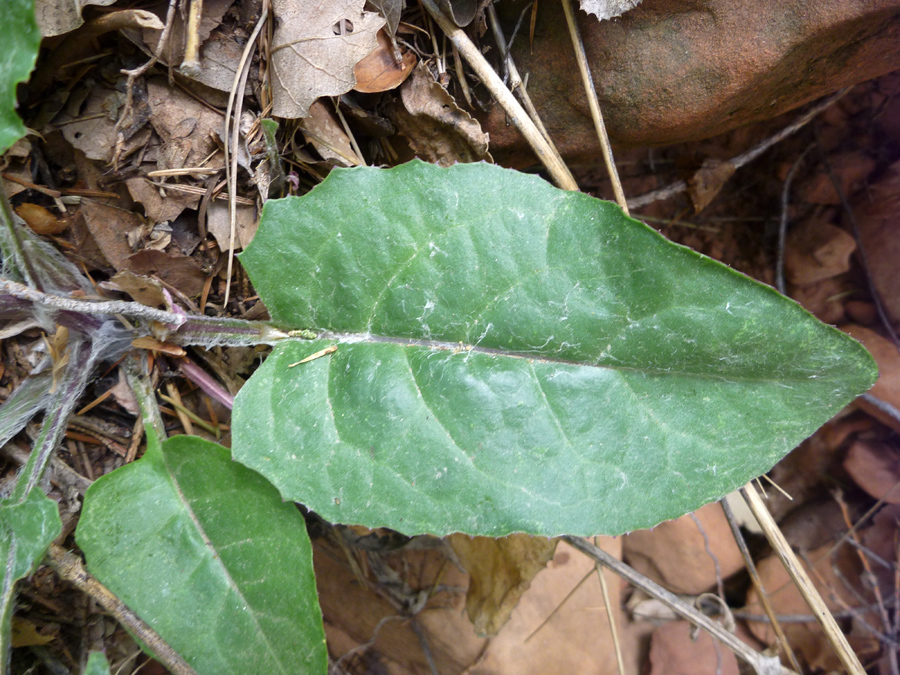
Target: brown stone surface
x,y
671,71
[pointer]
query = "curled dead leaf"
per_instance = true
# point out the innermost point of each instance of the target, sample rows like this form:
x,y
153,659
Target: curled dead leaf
x,y
708,181
40,219
380,71
817,250
438,130
875,467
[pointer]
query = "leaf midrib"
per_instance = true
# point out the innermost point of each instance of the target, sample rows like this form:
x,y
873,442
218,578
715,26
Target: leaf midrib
x,y
463,347
213,549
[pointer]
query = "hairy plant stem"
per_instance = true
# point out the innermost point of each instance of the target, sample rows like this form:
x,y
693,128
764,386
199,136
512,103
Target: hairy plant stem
x,y
11,246
77,373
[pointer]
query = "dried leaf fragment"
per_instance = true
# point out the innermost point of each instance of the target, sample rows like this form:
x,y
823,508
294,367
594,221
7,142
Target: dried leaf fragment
x,y
438,130
709,180
379,71
315,49
500,571
322,129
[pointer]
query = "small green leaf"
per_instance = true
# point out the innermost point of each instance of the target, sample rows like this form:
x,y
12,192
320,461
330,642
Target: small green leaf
x,y
513,357
20,40
26,530
97,664
206,552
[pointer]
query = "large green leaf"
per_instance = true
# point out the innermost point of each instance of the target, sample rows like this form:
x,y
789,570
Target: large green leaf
x,y
206,552
512,357
26,529
20,40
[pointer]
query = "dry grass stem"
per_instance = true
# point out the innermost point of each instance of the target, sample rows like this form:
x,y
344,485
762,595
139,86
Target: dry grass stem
x,y
467,49
594,104
758,585
801,579
233,138
190,65
610,615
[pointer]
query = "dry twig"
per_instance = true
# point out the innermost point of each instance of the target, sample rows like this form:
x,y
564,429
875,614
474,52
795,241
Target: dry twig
x,y
746,157
69,567
764,665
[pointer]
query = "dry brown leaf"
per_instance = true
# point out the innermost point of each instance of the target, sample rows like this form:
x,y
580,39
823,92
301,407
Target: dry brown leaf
x,y
322,129
462,12
25,634
824,298
675,651
875,467
887,388
175,269
124,395
850,169
815,251
878,215
575,640
314,50
142,289
830,577
391,11
880,538
109,227
92,129
379,71
160,205
674,552
354,609
55,17
500,571
438,130
708,181
186,127
218,222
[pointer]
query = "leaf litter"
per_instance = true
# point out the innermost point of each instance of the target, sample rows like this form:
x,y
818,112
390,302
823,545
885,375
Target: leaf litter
x,y
175,128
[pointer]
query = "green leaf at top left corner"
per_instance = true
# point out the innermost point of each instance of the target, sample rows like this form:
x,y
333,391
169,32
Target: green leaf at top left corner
x,y
20,40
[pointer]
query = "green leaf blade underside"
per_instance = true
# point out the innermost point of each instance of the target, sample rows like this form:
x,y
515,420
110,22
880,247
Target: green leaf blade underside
x,y
207,553
21,40
604,378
